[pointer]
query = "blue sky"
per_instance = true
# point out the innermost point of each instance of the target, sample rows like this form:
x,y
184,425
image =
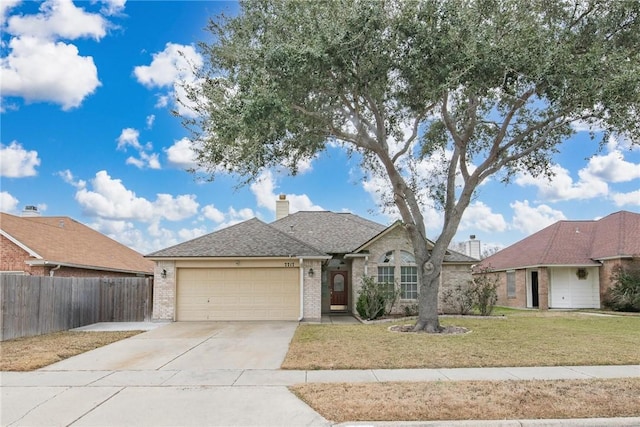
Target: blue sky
x,y
86,132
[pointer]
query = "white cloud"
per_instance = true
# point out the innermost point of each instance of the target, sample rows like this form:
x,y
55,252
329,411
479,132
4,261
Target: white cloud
x,y
622,199
150,120
110,199
173,64
8,203
234,216
113,7
612,167
18,162
529,219
176,208
562,187
191,233
212,213
478,216
172,69
68,177
58,19
39,70
181,154
5,6
264,190
130,137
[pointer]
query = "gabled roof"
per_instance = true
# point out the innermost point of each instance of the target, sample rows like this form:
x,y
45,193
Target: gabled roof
x,y
450,256
252,238
574,243
330,232
63,240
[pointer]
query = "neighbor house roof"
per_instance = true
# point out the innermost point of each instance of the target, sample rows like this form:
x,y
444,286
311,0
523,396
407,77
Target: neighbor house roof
x,y
252,238
60,240
573,243
330,232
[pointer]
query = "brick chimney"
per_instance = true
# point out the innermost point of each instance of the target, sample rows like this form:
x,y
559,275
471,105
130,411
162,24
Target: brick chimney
x,y
282,207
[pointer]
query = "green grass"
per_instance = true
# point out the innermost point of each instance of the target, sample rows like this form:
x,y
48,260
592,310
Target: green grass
x,y
515,338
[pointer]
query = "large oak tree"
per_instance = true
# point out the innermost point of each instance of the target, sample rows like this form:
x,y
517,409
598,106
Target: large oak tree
x,y
490,87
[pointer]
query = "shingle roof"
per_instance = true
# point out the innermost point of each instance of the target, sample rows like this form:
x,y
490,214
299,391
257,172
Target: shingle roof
x,y
573,243
330,232
252,238
60,239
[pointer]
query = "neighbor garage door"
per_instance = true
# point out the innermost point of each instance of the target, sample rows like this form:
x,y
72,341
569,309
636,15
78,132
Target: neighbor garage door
x,y
238,294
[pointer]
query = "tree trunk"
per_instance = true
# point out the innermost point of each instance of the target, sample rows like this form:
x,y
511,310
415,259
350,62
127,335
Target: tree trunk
x,y
428,299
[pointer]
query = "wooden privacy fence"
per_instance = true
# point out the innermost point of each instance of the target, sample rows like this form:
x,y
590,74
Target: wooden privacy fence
x,y
35,305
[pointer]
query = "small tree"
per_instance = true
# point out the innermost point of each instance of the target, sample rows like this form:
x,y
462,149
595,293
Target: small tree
x,y
375,299
625,293
485,291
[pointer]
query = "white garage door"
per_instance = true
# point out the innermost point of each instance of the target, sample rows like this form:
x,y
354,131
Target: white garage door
x,y
238,294
567,291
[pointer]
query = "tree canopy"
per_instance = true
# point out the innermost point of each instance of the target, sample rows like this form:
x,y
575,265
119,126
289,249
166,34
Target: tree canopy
x,y
487,87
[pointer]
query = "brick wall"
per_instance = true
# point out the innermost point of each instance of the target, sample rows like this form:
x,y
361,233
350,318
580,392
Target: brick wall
x,y
12,256
312,298
164,291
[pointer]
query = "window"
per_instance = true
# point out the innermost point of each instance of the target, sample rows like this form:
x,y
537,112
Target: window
x,y
409,282
386,274
387,258
386,279
407,258
511,284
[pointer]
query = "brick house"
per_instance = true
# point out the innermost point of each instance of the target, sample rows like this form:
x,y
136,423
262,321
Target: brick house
x,y
298,267
568,264
60,246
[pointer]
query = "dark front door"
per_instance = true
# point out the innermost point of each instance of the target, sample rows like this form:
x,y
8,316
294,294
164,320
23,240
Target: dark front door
x,y
338,288
534,289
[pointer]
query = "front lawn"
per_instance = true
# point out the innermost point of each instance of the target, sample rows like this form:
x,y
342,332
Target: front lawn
x,y
474,400
31,353
520,338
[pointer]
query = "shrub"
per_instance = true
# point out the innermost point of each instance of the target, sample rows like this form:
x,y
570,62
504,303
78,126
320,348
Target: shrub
x,y
411,310
459,299
624,295
485,292
374,299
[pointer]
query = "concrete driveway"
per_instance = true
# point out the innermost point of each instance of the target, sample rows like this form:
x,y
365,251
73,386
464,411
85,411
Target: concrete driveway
x,y
187,374
203,346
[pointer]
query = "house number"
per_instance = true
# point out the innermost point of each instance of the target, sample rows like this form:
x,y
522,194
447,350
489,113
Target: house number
x,y
289,264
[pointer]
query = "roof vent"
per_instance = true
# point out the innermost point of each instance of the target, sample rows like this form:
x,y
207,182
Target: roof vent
x,y
30,211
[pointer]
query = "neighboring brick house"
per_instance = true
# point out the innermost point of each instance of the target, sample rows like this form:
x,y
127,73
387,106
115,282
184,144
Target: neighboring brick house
x,y
568,264
60,246
298,267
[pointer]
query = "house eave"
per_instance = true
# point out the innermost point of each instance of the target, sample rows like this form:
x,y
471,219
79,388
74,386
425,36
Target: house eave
x,y
525,267
609,258
231,258
51,263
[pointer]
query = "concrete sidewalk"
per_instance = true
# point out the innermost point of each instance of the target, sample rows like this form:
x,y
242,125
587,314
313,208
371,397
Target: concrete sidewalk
x,y
235,397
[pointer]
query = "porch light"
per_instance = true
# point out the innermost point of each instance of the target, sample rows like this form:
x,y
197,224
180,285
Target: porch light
x,y
311,272
163,274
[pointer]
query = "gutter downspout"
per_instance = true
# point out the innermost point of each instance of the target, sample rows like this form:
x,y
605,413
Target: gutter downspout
x,y
52,271
300,260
